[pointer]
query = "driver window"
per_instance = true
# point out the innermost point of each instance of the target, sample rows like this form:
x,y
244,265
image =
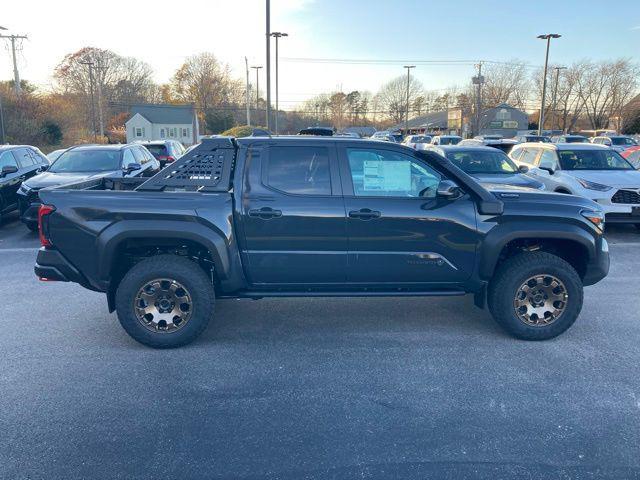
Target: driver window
x,y
7,160
128,158
385,173
548,159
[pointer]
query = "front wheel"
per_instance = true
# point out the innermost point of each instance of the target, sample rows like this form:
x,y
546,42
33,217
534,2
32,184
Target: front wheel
x,y
165,301
535,295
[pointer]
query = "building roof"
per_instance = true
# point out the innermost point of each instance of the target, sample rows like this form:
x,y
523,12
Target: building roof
x,y
165,113
430,120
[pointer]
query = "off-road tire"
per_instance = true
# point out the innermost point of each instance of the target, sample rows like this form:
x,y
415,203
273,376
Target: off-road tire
x,y
180,269
512,273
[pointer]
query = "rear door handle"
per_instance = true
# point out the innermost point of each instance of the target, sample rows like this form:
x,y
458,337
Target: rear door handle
x,y
364,214
265,213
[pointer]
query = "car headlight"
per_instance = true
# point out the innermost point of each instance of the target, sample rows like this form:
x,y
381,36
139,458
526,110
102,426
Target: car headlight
x,y
594,216
593,186
24,189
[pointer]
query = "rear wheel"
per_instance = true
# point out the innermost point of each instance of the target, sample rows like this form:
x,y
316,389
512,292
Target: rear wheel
x,y
165,301
535,295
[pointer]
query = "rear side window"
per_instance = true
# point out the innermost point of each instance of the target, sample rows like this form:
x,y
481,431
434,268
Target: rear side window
x,y
24,157
299,170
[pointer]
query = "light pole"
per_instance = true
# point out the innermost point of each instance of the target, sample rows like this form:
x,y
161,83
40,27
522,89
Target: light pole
x,y
257,69
548,38
406,118
554,109
268,34
277,35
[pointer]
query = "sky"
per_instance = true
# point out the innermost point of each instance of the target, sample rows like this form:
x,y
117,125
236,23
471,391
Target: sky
x,y
384,34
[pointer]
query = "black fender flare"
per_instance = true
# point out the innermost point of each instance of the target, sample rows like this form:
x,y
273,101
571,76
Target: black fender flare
x,y
501,235
113,236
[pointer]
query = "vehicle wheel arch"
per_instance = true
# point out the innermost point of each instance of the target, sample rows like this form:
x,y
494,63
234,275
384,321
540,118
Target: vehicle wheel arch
x,y
568,242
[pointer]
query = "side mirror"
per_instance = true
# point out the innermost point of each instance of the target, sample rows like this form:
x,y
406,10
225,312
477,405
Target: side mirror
x,y
43,168
547,167
132,167
523,169
7,169
448,189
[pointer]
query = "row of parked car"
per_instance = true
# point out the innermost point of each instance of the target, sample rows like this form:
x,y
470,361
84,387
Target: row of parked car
x,y
569,165
25,170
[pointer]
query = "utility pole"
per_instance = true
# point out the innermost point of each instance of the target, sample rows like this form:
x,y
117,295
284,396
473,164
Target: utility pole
x,y
93,107
99,89
548,38
317,114
554,109
268,34
277,35
478,80
257,69
246,67
16,74
2,136
406,118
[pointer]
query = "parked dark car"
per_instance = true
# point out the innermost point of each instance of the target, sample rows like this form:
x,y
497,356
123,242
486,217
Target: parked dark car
x,y
318,216
317,131
532,138
165,151
18,163
82,163
488,166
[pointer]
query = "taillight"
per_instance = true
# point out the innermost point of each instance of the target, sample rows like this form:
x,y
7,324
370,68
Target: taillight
x,y
170,159
166,158
43,224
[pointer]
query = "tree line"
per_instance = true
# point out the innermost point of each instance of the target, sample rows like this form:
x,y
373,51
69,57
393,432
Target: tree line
x,y
98,83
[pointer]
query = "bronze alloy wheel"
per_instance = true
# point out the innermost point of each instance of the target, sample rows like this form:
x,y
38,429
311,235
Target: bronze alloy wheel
x,y
540,300
163,305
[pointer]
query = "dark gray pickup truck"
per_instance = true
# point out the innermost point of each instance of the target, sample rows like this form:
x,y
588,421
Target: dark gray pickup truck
x,y
312,216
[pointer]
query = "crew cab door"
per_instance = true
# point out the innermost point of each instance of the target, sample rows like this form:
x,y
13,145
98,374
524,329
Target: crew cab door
x,y
400,231
293,215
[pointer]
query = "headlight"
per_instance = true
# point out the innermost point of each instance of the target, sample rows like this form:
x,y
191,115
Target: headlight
x,y
24,189
593,186
594,216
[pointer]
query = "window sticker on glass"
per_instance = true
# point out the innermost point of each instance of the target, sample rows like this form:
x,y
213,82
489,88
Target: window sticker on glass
x,y
387,175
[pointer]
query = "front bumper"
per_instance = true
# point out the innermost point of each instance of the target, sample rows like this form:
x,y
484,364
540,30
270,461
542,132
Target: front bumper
x,y
598,267
29,205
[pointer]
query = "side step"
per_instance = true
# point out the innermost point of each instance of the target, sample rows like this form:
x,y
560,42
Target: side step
x,y
256,294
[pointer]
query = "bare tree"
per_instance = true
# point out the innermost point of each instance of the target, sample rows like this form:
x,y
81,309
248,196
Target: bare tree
x,y
392,97
202,79
506,83
605,88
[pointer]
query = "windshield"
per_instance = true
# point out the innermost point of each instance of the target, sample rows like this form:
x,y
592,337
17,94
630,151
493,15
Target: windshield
x,y
420,139
592,160
449,140
483,162
576,140
87,161
622,141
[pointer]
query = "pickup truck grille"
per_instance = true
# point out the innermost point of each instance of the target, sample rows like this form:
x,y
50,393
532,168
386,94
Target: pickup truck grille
x,y
626,196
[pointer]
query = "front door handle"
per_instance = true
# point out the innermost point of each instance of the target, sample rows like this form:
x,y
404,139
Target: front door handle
x,y
265,213
364,214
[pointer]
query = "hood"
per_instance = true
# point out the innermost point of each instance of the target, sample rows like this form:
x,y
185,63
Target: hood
x,y
539,199
54,179
517,179
613,178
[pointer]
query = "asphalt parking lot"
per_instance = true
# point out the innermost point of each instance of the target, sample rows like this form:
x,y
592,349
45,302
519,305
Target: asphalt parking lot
x,y
317,388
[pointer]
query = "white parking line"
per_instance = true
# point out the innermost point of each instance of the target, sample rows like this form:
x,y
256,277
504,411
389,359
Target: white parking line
x,y
17,250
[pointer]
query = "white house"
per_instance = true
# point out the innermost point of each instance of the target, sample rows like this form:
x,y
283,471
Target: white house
x,y
163,121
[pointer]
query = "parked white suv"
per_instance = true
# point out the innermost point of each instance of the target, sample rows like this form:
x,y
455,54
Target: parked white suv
x,y
592,171
618,142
